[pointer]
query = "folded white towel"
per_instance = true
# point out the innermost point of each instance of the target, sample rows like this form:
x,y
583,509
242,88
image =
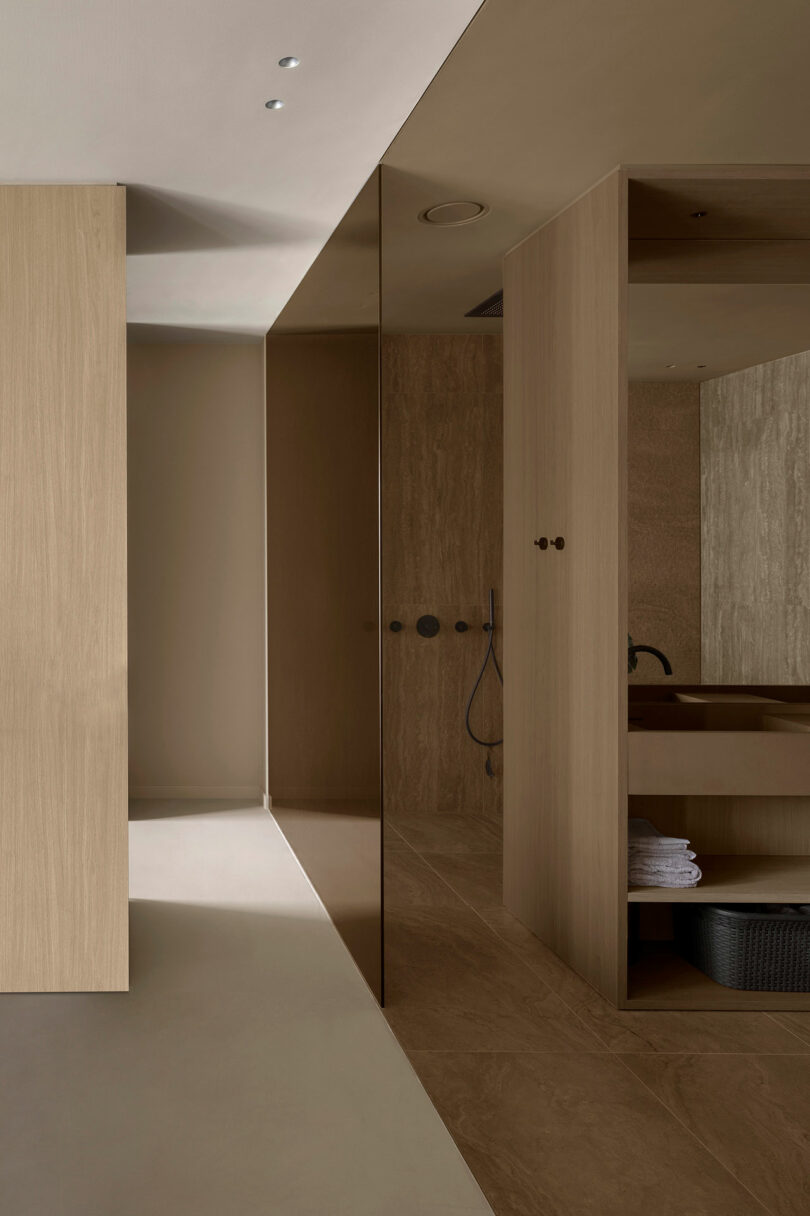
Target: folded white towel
x,y
687,866
655,860
645,877
663,856
649,875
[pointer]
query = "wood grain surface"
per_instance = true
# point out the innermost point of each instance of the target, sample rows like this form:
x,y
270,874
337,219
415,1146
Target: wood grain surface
x,y
565,422
663,519
63,590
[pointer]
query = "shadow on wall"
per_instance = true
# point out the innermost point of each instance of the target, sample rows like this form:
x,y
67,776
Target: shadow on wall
x,y
145,333
164,221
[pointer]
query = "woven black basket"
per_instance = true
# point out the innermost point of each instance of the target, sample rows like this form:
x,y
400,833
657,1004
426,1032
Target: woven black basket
x,y
743,946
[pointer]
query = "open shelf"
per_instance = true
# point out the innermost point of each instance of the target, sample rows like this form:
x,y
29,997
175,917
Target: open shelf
x,y
663,980
739,879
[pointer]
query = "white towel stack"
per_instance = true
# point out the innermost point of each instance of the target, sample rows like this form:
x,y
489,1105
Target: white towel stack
x,y
655,860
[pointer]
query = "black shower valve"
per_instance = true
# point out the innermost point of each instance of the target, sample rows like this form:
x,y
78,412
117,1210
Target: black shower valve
x,y
427,626
395,626
461,626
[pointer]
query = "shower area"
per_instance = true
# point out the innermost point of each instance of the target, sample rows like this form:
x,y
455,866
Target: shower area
x,y
441,510
385,509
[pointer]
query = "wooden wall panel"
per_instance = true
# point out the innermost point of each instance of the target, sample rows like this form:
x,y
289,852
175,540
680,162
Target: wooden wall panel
x,y
441,528
63,643
755,476
717,824
565,709
663,507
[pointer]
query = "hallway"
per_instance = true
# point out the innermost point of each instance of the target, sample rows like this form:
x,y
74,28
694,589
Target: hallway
x,y
247,1072
561,1104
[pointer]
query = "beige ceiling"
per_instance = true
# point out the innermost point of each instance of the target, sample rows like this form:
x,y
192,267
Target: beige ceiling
x,y
228,202
541,98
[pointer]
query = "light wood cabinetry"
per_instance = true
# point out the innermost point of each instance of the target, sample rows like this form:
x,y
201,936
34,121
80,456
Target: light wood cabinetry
x,y
573,766
565,610
63,630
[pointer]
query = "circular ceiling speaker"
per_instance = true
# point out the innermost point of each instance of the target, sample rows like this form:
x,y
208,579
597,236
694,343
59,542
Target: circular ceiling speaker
x,y
452,215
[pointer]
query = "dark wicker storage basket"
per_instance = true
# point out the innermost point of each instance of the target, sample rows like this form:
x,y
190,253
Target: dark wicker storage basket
x,y
743,946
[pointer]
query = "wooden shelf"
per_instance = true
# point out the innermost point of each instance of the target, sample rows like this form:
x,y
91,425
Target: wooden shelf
x,y
664,980
673,762
738,879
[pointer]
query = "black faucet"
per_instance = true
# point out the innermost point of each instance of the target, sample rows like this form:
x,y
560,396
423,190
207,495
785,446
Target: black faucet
x,y
632,651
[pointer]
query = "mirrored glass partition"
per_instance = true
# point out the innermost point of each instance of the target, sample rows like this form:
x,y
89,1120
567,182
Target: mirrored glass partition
x,y
323,560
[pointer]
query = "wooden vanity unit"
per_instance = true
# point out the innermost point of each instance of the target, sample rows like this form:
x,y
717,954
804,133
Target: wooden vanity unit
x,y
726,765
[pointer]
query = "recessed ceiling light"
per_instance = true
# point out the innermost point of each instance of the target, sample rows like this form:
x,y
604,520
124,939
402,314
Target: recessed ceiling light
x,y
451,215
701,364
671,365
274,103
289,61
698,215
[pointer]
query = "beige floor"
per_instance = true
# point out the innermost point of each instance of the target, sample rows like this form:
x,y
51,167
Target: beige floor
x,y
562,1105
249,1072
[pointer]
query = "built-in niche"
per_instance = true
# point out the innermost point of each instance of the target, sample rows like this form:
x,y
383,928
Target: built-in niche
x,y
719,380
718,551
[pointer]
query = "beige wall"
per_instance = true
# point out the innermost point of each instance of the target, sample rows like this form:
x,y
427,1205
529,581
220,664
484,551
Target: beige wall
x,y
197,569
755,437
664,528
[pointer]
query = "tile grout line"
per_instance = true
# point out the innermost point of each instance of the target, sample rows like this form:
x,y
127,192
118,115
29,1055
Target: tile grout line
x,y
789,1029
689,1130
607,1050
613,1051
584,1051
514,953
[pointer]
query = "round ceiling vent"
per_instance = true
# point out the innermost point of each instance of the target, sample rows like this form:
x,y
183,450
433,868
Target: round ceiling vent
x,y
451,215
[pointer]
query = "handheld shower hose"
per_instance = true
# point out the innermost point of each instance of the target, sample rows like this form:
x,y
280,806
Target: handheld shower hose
x,y
490,654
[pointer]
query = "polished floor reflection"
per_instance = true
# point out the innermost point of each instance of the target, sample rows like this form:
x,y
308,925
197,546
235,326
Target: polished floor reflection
x,y
561,1104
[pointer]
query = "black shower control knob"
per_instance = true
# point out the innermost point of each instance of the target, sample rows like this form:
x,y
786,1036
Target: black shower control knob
x,y
542,543
395,626
461,626
427,626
